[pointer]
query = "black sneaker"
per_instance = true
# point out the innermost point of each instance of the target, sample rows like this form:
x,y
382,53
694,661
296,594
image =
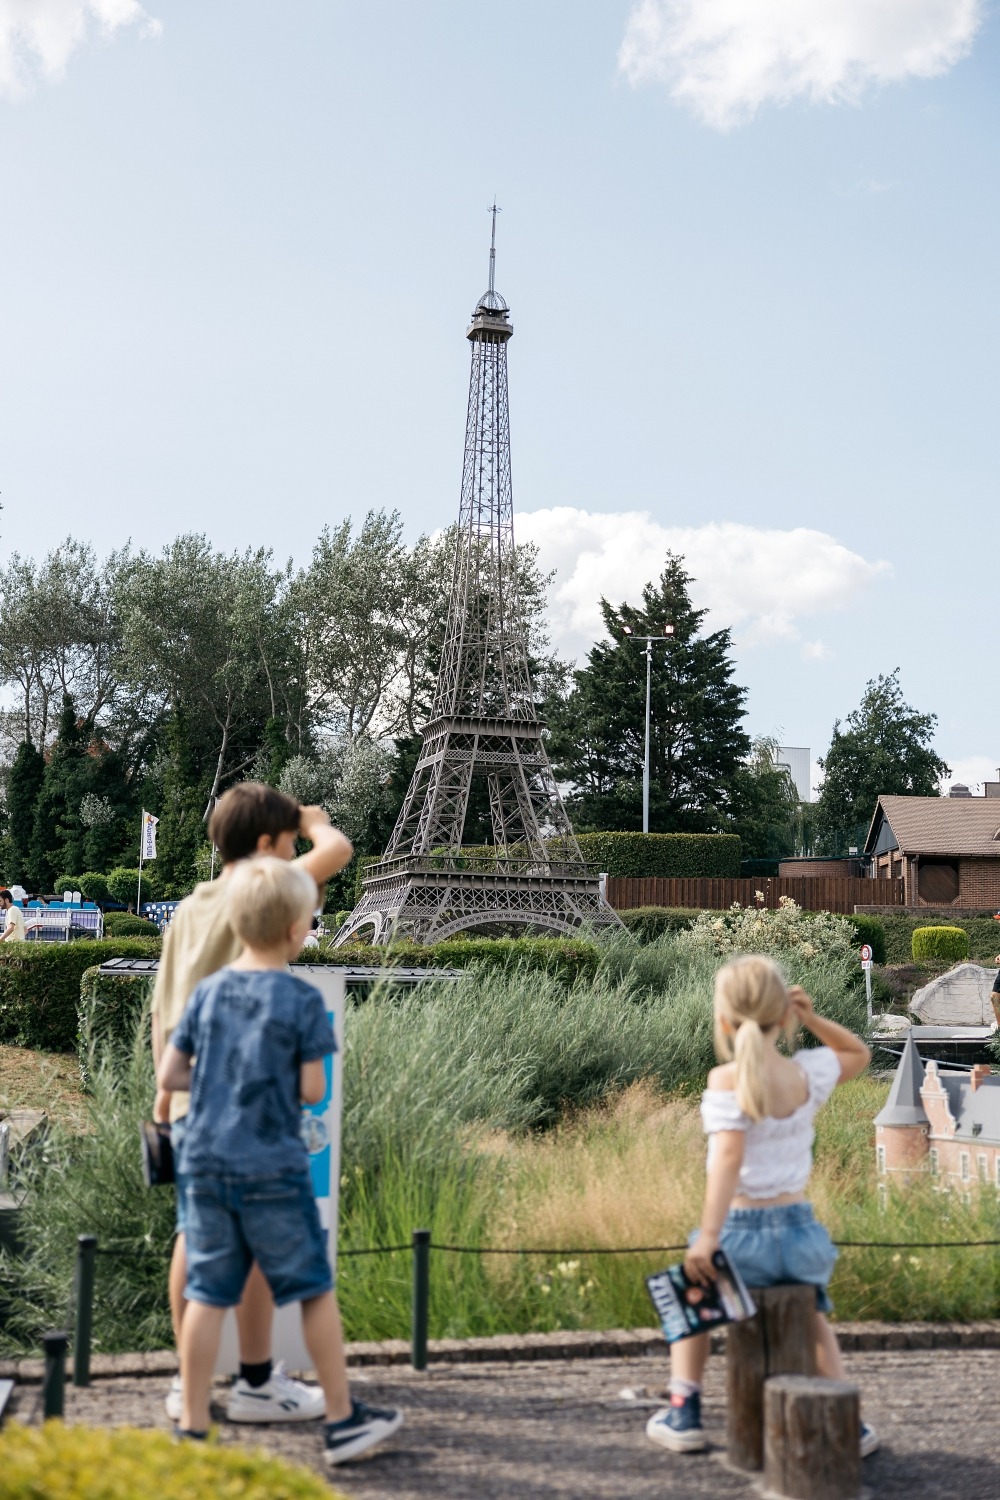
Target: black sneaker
x,y
366,1426
678,1426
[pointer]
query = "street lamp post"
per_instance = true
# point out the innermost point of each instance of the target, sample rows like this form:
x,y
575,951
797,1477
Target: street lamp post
x,y
668,631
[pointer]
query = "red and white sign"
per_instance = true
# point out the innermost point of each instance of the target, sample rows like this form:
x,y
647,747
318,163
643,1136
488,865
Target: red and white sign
x,y
866,953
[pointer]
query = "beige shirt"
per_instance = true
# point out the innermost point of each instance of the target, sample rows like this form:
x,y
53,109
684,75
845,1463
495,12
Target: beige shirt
x,y
14,919
199,942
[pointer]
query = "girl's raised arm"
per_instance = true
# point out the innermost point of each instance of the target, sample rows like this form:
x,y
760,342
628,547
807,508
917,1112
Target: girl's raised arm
x,y
852,1053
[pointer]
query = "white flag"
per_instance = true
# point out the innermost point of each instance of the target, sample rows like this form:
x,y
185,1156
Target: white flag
x,y
148,844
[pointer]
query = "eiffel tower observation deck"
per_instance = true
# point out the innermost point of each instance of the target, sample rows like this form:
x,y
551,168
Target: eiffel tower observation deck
x,y
484,724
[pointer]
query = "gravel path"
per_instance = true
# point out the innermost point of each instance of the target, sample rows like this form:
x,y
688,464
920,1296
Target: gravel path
x,y
543,1429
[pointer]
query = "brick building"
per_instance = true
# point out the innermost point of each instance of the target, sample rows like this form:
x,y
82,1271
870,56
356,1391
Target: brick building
x,y
946,850
939,1123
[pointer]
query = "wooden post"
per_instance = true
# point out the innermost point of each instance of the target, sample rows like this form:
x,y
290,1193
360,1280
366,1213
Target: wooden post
x,y
780,1340
812,1433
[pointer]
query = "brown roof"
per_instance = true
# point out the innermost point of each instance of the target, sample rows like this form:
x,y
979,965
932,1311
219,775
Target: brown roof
x,y
943,825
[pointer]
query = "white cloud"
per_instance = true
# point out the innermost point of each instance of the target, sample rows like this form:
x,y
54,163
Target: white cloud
x,y
38,37
724,59
761,582
815,651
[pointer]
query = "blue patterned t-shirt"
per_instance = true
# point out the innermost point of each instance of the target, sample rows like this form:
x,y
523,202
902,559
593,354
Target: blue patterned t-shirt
x,y
249,1033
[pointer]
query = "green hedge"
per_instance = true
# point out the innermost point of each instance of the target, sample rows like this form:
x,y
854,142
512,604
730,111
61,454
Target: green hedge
x,y
651,922
668,855
113,1003
125,924
870,930
570,959
950,944
983,933
40,987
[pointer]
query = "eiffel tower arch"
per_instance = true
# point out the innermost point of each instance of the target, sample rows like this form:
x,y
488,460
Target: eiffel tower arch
x,y
484,725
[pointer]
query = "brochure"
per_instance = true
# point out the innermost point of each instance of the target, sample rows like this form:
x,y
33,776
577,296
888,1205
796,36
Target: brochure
x,y
685,1307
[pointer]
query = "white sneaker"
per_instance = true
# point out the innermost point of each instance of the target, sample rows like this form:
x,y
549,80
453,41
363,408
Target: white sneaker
x,y
280,1399
175,1400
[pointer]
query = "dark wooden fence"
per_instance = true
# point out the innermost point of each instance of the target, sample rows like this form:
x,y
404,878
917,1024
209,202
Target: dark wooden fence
x,y
812,893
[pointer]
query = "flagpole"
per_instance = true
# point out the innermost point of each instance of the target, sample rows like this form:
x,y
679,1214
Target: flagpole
x,y
142,840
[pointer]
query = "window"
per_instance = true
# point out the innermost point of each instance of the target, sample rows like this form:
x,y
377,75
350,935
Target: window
x,y
964,1161
880,1160
981,1163
935,1165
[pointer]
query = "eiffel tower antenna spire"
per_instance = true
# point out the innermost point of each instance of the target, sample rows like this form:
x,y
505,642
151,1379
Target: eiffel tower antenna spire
x,y
482,759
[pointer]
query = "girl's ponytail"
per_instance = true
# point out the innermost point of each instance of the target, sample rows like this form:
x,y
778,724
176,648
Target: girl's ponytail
x,y
751,1088
750,999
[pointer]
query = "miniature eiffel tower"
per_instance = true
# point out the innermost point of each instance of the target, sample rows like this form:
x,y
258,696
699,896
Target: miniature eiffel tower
x,y
483,724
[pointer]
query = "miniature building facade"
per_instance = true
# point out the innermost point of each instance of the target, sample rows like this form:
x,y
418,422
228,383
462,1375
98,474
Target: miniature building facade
x,y
941,1123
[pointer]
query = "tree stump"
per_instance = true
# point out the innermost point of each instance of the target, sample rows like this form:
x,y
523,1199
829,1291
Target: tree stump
x,y
812,1438
780,1340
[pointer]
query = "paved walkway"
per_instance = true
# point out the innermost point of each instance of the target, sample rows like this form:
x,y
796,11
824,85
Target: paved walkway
x,y
560,1428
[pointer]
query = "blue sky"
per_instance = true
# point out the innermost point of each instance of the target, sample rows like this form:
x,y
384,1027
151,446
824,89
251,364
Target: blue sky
x,y
750,254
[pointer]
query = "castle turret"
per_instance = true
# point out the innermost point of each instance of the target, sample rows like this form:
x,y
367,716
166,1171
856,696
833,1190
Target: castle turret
x,y
902,1127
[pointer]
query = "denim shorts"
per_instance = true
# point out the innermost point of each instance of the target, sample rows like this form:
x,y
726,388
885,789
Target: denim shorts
x,y
234,1221
178,1131
786,1243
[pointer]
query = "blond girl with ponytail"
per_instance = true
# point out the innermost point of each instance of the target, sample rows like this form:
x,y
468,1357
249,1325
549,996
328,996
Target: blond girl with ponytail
x,y
758,1112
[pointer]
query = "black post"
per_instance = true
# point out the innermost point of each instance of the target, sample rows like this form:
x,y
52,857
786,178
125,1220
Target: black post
x,y
55,1345
421,1296
86,1255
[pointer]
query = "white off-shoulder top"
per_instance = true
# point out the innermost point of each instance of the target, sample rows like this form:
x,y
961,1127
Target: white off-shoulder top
x,y
777,1157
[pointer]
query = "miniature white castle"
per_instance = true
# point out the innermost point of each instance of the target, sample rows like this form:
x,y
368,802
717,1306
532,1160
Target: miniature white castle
x,y
940,1122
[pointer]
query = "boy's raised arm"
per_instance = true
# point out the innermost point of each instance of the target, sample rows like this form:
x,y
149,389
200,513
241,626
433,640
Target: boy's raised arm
x,y
331,850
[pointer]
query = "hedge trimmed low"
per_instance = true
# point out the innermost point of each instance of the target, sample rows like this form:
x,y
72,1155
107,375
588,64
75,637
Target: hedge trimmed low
x,y
40,987
126,924
111,1003
949,944
667,855
568,959
648,923
983,934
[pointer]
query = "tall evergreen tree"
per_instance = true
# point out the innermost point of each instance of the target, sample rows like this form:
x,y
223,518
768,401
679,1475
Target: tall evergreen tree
x,y
182,829
57,839
697,742
884,749
23,787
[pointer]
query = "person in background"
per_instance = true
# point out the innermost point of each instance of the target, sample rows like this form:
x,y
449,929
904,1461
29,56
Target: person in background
x,y
251,1047
13,918
250,819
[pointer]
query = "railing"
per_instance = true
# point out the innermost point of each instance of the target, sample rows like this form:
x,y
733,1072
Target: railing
x,y
480,864
58,924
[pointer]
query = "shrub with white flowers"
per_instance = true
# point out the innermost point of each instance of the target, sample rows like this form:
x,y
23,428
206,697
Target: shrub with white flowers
x,y
787,931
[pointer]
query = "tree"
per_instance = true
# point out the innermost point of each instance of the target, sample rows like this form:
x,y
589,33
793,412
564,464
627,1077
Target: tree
x,y
57,838
697,742
885,749
23,786
765,805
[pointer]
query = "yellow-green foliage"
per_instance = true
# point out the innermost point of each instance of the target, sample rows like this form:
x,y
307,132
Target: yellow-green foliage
x,y
86,1463
947,943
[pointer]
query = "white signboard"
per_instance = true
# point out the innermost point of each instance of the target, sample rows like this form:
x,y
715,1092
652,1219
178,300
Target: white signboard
x,y
321,1132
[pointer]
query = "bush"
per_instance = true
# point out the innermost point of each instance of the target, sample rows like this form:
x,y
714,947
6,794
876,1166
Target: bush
x,y
983,933
871,931
123,885
668,855
109,1011
92,1463
67,883
40,987
124,924
949,944
566,959
760,929
650,922
94,887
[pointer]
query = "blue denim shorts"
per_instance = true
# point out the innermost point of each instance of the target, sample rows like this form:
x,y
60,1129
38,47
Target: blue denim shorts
x,y
234,1221
771,1245
178,1131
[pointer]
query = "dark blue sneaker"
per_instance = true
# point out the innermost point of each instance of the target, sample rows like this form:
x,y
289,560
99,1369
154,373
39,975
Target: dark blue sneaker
x,y
678,1426
366,1426
869,1440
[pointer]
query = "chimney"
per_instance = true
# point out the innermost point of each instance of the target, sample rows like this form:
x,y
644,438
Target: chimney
x,y
979,1075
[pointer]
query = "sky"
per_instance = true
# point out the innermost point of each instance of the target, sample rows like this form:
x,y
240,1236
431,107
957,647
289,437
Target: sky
x,y
749,252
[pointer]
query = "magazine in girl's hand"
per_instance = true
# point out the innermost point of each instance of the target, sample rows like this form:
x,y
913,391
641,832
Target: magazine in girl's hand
x,y
685,1307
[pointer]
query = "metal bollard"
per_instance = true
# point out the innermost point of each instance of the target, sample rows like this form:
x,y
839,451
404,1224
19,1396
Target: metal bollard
x,y
55,1345
86,1257
421,1297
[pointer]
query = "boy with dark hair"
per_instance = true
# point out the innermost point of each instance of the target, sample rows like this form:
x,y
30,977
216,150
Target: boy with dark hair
x,y
251,1047
249,819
